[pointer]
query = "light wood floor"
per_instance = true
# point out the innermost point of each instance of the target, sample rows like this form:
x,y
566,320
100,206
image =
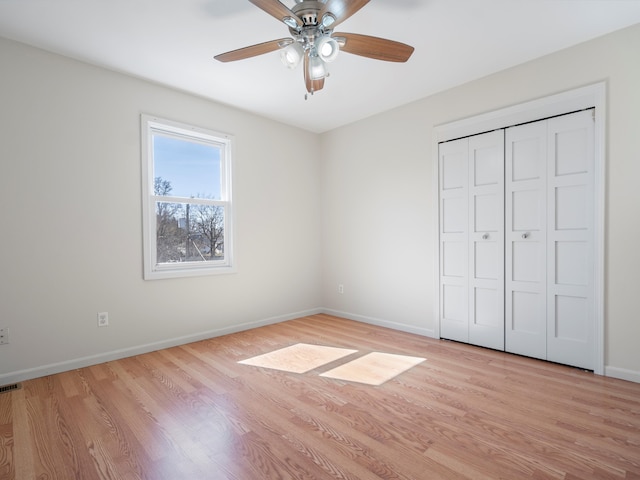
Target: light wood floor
x,y
192,412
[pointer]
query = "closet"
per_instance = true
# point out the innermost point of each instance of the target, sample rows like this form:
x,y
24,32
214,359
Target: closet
x,y
517,236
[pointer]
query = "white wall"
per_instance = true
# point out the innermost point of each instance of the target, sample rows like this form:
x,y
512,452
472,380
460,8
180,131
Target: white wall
x,y
379,206
71,234
361,214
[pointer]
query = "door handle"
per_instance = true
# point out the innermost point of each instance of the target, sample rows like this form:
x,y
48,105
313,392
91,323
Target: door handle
x,y
525,235
485,236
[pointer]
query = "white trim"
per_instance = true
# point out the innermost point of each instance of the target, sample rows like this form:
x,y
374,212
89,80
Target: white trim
x,y
600,98
53,368
435,188
622,374
565,102
403,327
561,103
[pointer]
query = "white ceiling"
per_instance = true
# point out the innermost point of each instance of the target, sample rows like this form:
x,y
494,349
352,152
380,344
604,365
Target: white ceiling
x,y
173,42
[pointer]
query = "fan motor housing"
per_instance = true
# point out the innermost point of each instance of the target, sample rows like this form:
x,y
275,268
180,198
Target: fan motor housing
x,y
307,11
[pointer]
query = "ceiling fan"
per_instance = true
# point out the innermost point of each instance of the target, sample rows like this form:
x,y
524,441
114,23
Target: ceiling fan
x,y
311,25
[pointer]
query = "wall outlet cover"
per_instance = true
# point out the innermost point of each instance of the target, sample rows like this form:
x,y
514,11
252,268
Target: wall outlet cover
x,y
103,319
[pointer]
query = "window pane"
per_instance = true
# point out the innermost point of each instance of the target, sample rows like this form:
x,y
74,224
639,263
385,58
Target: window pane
x,y
186,168
189,232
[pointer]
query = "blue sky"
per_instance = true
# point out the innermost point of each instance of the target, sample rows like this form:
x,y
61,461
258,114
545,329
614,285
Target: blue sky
x,y
192,168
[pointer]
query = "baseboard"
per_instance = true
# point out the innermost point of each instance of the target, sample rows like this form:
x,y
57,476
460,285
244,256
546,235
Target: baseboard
x,y
50,369
622,374
403,327
53,368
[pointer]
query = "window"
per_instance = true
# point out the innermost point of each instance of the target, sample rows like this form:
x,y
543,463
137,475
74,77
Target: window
x,y
186,188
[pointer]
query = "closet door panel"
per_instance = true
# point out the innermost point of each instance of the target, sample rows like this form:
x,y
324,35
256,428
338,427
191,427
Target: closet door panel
x,y
569,205
525,226
454,213
525,314
454,255
571,226
527,207
486,240
454,261
528,262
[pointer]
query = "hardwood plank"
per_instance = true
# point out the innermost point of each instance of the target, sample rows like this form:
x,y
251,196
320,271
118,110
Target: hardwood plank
x,y
194,412
7,466
22,438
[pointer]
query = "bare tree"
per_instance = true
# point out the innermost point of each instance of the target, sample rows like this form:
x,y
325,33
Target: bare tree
x,y
169,235
208,221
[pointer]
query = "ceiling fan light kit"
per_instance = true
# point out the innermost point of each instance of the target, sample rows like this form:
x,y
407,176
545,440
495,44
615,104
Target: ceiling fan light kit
x,y
310,24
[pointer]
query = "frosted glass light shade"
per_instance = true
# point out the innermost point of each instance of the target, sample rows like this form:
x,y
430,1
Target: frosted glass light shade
x,y
317,68
327,49
291,55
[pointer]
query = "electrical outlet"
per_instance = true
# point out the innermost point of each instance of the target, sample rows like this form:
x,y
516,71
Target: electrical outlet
x,y
4,335
340,288
103,319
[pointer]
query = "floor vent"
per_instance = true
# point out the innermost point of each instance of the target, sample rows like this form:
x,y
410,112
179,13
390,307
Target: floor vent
x,y
9,388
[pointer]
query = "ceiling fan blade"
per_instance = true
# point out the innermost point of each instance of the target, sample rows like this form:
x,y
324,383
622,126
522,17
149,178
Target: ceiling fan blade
x,y
312,85
342,9
253,50
374,47
277,9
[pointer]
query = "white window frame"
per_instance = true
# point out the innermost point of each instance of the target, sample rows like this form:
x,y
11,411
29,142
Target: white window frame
x,y
151,125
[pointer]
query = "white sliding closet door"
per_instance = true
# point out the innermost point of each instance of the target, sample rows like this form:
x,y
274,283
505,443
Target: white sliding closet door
x,y
550,267
521,225
486,240
472,240
526,241
570,240
454,224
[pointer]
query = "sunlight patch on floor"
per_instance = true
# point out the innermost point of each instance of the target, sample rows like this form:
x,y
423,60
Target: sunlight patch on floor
x,y
374,368
299,358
